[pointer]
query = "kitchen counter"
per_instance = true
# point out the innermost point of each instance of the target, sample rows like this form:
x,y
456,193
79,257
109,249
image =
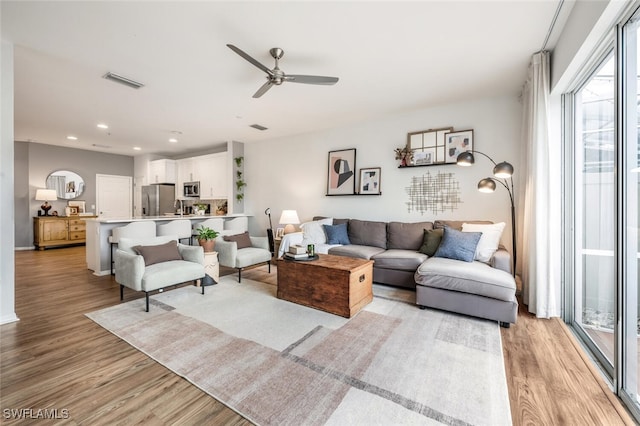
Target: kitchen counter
x,y
98,248
163,217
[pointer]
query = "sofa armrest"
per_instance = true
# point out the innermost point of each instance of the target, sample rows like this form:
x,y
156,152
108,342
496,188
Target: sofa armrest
x,y
227,252
501,260
192,253
289,240
129,269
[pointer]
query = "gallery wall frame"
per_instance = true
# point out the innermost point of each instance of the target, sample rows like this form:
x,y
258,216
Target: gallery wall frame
x,y
427,147
370,181
456,143
341,179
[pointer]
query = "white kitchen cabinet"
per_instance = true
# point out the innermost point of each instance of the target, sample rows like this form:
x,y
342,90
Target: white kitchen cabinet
x,y
184,174
213,172
162,171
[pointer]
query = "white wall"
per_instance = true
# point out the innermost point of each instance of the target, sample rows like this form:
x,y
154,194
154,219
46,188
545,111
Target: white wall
x,y
291,173
7,214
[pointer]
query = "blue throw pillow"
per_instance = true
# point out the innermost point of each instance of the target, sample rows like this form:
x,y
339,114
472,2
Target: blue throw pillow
x,y
337,234
458,245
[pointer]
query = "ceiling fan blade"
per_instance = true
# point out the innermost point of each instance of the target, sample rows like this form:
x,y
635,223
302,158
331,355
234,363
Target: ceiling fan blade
x,y
250,59
311,79
263,89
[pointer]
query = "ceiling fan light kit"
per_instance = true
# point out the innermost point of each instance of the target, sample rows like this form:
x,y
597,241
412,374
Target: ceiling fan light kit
x,y
276,76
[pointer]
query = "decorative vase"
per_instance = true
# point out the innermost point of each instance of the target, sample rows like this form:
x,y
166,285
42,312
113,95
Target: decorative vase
x,y
208,245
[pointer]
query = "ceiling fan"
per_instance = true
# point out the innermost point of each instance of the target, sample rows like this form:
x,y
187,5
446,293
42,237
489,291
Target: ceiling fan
x,y
276,76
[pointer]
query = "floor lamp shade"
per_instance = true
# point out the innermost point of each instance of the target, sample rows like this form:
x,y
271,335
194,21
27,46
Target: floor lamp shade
x,y
289,218
503,173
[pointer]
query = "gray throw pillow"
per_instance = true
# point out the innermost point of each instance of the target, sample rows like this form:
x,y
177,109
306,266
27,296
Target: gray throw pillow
x,y
458,245
431,242
159,253
242,240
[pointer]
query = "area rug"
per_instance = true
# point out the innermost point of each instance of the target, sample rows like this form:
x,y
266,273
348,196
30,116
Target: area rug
x,y
279,363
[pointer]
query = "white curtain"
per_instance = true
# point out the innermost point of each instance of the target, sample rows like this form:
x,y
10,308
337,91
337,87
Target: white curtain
x,y
539,245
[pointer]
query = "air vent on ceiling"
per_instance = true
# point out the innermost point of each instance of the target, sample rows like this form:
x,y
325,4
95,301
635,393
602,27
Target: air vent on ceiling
x,y
97,145
259,127
123,80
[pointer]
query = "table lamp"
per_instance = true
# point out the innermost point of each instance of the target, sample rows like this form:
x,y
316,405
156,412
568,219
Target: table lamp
x,y
46,195
289,218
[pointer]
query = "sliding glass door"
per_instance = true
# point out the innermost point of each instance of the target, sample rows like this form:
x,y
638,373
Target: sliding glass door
x,y
629,248
594,206
604,212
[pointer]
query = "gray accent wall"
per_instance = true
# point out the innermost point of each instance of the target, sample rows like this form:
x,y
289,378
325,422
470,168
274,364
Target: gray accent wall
x,y
34,162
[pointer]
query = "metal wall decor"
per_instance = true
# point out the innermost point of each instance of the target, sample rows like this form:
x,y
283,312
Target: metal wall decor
x,y
437,193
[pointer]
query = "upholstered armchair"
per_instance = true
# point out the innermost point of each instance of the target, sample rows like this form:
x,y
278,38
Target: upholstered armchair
x,y
154,263
241,251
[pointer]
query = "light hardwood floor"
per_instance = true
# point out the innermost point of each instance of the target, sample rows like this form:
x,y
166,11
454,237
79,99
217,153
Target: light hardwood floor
x,y
56,358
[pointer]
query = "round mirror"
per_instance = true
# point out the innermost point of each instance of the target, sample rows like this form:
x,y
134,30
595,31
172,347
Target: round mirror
x,y
68,185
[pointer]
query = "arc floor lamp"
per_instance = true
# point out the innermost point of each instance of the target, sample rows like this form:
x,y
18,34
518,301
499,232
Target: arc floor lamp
x,y
503,174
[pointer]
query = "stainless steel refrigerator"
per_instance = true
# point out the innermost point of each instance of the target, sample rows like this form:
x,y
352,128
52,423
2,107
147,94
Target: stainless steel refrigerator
x,y
158,199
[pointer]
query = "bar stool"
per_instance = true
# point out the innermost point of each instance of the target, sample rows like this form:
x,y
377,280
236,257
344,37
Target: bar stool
x,y
132,230
217,224
237,225
180,228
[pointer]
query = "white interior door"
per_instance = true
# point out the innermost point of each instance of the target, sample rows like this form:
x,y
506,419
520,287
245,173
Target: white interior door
x,y
114,196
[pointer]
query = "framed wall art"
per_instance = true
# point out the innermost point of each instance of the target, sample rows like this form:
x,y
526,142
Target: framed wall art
x,y
427,147
81,205
370,181
341,178
279,233
71,211
457,143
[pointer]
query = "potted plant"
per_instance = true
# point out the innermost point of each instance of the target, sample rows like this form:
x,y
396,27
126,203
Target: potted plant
x,y
200,208
206,238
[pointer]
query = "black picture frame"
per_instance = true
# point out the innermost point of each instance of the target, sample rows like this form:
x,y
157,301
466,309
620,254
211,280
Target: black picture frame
x,y
341,172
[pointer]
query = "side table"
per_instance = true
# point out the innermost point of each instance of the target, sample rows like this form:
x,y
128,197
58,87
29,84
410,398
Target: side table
x,y
211,269
276,247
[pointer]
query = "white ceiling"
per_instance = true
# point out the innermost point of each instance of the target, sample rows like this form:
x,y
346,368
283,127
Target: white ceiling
x,y
390,56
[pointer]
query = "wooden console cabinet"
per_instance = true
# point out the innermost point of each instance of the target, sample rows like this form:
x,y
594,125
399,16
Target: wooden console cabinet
x,y
50,231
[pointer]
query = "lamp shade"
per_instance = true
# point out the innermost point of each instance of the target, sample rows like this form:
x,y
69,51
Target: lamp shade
x,y
289,218
46,195
486,185
465,159
503,170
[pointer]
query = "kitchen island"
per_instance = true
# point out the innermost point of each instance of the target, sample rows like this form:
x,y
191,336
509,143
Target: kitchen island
x,y
98,231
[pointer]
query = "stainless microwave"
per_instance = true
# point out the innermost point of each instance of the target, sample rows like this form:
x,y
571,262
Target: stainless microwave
x,y
191,189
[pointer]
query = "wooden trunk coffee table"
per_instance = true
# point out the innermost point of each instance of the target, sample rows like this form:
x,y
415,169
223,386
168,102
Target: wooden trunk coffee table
x,y
336,284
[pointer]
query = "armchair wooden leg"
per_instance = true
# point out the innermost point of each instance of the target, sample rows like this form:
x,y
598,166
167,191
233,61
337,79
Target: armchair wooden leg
x,y
239,275
121,292
147,299
269,265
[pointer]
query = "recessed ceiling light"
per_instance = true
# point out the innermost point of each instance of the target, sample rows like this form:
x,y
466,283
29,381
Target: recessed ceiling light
x,y
173,140
103,126
136,148
72,138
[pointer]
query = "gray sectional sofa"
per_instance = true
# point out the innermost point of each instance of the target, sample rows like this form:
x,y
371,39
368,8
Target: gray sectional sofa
x,y
485,290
